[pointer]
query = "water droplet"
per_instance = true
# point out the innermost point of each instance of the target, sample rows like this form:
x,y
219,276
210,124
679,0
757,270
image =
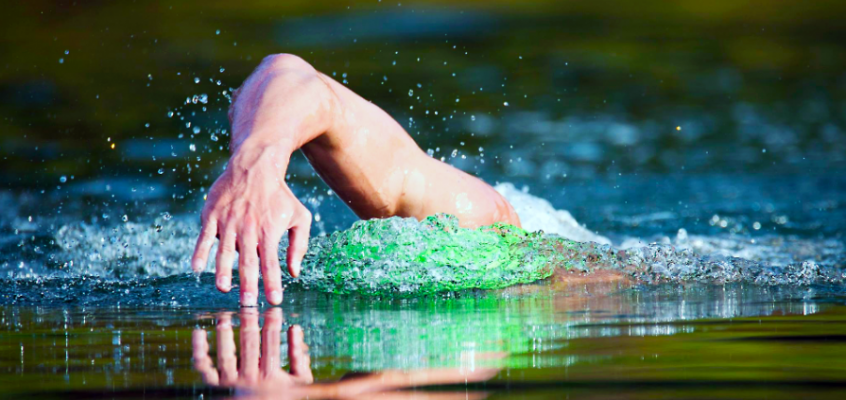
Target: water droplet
x,y
125,218
197,80
61,61
454,153
204,98
214,137
410,92
63,179
505,104
161,171
192,147
472,117
67,52
222,69
196,130
170,114
217,32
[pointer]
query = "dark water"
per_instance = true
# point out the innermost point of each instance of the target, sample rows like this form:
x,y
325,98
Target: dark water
x,y
710,134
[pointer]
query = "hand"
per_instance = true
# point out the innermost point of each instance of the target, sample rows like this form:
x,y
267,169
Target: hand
x,y
259,371
256,373
249,208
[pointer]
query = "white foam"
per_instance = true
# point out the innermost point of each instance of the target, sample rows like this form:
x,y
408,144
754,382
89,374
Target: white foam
x,y
538,214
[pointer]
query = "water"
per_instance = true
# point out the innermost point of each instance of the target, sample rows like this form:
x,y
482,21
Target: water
x,y
699,148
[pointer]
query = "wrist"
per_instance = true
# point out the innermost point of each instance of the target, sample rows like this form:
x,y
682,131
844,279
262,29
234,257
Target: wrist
x,y
254,154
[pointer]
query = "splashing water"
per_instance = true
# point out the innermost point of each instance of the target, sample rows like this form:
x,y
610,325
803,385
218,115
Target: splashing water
x,y
404,256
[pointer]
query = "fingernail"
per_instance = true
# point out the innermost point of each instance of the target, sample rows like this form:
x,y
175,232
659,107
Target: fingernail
x,y
275,297
223,283
249,300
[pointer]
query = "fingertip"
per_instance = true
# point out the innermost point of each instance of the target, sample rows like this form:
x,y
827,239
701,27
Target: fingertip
x,y
248,299
275,297
198,265
224,283
294,268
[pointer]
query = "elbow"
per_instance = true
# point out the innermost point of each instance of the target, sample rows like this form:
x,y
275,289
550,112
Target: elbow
x,y
282,61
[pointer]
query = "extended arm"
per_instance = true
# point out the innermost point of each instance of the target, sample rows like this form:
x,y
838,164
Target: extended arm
x,y
358,149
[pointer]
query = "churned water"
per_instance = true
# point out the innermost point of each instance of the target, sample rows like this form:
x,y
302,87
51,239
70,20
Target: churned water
x,y
681,168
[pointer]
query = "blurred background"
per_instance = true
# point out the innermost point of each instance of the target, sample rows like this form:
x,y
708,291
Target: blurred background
x,y
735,106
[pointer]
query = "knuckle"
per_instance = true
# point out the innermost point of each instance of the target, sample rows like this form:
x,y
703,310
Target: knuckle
x,y
227,247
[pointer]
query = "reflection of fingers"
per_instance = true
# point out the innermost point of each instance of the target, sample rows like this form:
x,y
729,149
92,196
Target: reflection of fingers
x,y
298,242
248,266
204,244
225,258
202,362
270,268
250,342
271,341
227,363
298,356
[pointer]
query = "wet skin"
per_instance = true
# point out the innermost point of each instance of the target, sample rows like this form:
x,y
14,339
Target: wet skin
x,y
362,153
257,371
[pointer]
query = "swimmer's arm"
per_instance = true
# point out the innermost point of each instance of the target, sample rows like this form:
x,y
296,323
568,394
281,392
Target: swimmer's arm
x,y
369,159
358,149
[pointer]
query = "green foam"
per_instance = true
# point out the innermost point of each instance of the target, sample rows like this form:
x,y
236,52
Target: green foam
x,y
406,257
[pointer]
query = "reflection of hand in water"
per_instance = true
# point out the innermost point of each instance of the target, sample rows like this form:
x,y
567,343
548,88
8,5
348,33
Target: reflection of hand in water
x,y
258,370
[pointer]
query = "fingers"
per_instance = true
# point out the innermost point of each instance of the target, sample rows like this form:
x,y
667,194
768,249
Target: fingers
x,y
270,342
298,355
204,244
202,362
225,257
298,242
250,342
270,267
227,363
248,264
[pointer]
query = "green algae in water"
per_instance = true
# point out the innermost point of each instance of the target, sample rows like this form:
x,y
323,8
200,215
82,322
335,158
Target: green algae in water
x,y
406,257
